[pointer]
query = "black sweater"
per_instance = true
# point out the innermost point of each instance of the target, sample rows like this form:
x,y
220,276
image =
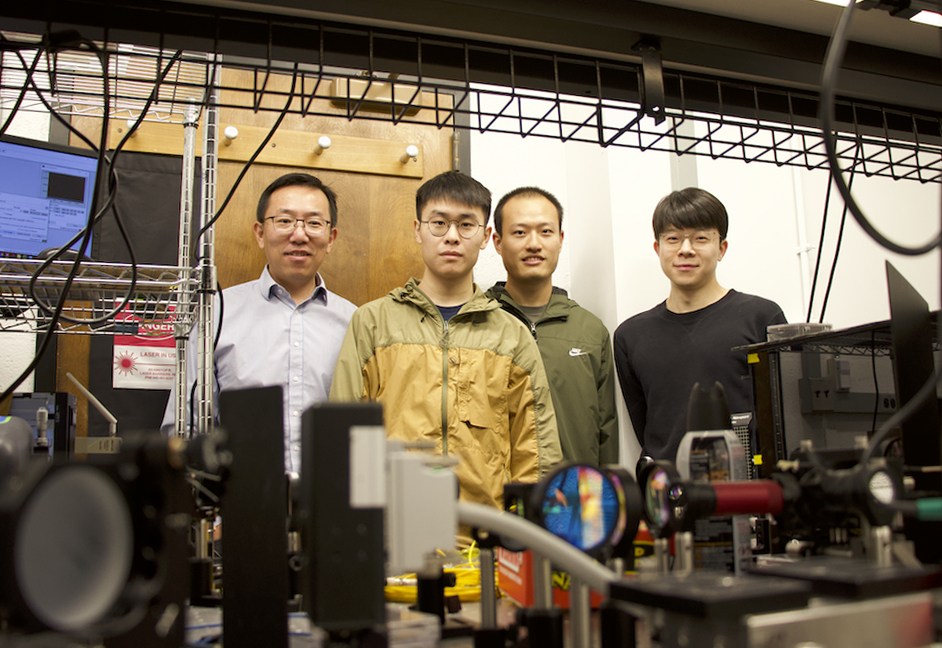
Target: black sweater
x,y
660,355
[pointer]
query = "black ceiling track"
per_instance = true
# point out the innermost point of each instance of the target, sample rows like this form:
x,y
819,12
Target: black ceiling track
x,y
534,91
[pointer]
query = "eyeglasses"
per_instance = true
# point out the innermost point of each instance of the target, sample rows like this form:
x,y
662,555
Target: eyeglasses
x,y
698,240
466,228
285,224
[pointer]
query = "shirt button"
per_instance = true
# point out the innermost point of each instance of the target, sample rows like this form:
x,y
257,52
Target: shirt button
x,y
295,379
297,344
294,413
297,447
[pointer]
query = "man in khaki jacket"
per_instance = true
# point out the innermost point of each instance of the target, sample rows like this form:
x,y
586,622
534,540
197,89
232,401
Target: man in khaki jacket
x,y
495,412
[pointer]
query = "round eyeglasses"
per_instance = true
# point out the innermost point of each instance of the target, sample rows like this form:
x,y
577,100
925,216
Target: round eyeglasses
x,y
466,228
698,240
312,226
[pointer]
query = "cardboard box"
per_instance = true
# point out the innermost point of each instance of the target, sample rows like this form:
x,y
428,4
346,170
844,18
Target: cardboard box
x,y
515,575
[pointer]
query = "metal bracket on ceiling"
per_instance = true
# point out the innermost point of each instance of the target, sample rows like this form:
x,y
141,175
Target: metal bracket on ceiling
x,y
652,91
905,9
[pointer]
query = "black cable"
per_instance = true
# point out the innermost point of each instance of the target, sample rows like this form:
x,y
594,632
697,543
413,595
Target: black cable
x,y
903,413
60,304
19,99
258,151
85,234
817,262
81,234
837,252
832,63
876,385
54,113
222,312
109,204
837,248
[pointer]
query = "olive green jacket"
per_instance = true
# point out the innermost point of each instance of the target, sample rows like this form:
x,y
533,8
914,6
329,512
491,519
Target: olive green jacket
x,y
577,354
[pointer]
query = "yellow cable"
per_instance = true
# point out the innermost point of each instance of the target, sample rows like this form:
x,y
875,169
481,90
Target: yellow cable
x,y
467,581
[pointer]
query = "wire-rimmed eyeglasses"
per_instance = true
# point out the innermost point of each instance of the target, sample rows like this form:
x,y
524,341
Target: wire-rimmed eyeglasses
x,y
698,240
313,226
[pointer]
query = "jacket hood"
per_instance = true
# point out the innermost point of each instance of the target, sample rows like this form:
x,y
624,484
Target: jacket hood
x,y
412,294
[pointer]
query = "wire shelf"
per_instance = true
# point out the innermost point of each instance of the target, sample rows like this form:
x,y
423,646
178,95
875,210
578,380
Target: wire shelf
x,y
163,301
873,339
489,90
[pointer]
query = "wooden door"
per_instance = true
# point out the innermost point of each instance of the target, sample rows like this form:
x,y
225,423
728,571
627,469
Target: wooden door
x,y
375,249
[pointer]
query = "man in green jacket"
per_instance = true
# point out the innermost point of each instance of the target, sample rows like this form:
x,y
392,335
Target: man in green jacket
x,y
575,345
449,366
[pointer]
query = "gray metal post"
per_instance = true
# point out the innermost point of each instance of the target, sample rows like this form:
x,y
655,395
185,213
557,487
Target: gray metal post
x,y
542,583
579,614
184,292
204,379
488,600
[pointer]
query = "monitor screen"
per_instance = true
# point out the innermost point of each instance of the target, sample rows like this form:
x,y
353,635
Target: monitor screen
x,y
45,195
913,365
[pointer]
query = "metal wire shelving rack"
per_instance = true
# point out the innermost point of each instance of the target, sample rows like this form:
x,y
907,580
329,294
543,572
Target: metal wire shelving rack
x,y
873,339
459,85
491,89
93,302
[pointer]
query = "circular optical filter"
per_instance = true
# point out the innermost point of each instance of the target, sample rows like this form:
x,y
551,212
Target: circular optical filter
x,y
73,548
659,481
579,503
630,511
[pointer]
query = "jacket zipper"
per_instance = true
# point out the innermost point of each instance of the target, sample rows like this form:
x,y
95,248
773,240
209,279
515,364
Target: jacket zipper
x,y
445,388
526,320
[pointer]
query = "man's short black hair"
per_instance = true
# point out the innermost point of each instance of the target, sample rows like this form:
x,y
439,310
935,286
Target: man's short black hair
x,y
455,187
526,192
690,208
296,180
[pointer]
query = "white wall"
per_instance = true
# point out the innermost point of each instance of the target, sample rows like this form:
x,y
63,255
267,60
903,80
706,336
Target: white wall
x,y
608,262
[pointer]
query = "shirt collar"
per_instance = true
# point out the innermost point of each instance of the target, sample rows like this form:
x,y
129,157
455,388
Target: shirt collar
x,y
267,285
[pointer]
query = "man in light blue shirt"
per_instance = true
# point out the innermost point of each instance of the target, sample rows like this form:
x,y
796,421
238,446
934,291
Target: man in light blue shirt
x,y
285,328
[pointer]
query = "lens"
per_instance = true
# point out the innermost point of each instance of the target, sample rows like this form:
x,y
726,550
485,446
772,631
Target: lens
x,y
656,497
580,505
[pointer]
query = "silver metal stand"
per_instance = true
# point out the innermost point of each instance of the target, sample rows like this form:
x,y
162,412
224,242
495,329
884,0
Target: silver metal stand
x,y
580,611
880,546
204,380
662,554
542,583
184,293
683,552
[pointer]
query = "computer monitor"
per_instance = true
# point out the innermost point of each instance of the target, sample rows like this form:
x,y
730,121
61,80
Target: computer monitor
x,y
913,365
46,195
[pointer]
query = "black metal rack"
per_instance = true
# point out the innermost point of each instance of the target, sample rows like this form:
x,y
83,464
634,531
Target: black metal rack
x,y
766,362
866,339
490,88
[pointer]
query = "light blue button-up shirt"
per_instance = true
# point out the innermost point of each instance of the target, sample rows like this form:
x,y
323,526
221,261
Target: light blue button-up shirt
x,y
268,340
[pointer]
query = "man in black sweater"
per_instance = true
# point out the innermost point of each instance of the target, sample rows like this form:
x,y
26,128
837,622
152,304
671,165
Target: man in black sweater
x,y
661,353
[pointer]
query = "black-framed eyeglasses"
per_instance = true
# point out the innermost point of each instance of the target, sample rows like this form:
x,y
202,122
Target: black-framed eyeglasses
x,y
285,224
466,228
